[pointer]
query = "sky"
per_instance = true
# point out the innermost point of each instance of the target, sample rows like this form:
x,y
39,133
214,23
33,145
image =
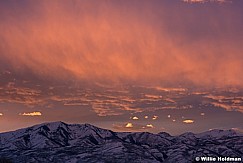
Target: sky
x,y
171,65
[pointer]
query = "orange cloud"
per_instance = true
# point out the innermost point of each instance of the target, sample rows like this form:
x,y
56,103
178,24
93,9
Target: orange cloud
x,y
155,117
129,125
135,118
133,127
100,41
31,114
188,121
149,126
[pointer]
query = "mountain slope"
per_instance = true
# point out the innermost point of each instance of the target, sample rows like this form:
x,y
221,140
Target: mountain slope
x,y
60,142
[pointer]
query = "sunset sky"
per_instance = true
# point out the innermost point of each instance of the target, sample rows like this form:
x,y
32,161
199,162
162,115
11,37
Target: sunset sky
x,y
125,65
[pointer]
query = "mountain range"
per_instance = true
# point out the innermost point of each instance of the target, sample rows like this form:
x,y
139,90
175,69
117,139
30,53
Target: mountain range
x,y
58,142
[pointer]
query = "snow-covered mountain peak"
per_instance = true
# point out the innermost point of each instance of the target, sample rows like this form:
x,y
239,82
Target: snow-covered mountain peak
x,y
217,133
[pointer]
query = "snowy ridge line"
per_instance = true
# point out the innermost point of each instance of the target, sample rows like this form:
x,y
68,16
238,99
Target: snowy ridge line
x,y
61,142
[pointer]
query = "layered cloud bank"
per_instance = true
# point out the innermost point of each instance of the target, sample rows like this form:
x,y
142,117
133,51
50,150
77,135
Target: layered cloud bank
x,y
139,41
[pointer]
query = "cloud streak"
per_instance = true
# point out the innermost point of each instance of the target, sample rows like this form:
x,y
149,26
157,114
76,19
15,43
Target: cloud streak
x,y
206,1
31,114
